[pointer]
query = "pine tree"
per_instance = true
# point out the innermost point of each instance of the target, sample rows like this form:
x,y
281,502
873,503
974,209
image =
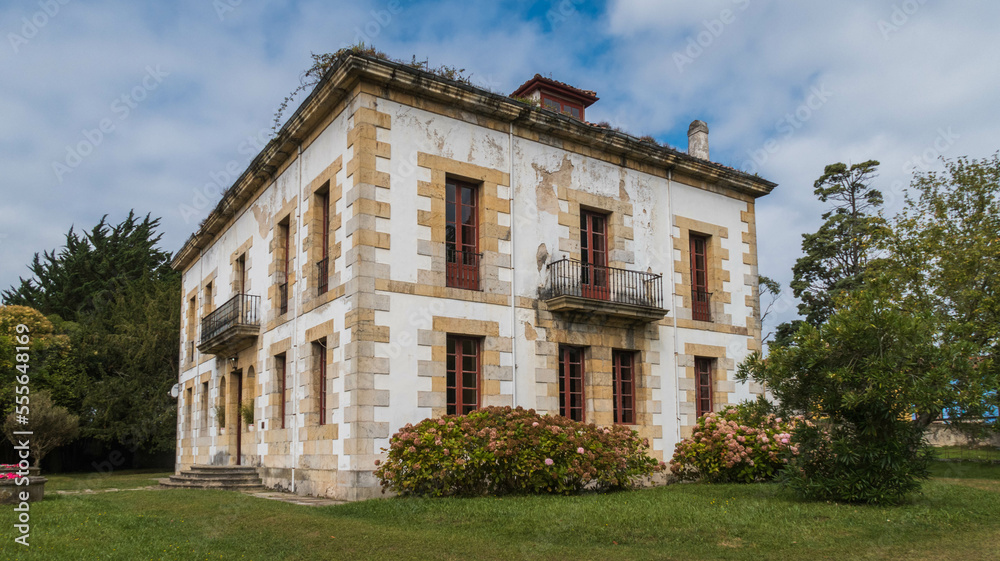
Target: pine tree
x,y
837,255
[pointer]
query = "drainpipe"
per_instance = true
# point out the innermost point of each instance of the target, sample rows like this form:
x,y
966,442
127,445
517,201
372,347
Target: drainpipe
x,y
673,304
295,324
513,255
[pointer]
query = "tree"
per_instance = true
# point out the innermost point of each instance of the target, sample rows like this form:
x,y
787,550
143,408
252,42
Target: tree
x,y
52,362
861,376
117,290
837,255
50,425
944,257
92,267
129,346
769,289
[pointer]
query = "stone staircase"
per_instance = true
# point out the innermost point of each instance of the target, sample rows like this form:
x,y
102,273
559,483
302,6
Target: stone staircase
x,y
227,478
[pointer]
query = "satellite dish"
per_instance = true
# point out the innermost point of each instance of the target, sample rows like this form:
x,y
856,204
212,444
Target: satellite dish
x,y
175,391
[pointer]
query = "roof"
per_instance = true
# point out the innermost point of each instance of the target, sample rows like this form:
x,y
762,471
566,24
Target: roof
x,y
352,68
587,97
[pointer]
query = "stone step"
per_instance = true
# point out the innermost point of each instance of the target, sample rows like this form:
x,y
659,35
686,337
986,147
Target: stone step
x,y
223,478
223,486
234,478
222,469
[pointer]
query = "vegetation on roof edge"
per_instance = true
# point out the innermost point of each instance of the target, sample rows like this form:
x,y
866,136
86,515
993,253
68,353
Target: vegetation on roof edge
x,y
324,61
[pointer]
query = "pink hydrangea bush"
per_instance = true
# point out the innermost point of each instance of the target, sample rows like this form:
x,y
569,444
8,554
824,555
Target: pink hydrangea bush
x,y
734,447
500,450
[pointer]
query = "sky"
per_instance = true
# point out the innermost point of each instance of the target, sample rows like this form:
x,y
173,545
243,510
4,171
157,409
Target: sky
x,y
107,106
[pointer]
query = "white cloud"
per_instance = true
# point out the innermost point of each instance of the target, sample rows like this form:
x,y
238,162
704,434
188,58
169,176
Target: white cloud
x,y
892,91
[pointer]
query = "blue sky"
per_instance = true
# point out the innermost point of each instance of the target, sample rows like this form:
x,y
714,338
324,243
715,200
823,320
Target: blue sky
x,y
164,97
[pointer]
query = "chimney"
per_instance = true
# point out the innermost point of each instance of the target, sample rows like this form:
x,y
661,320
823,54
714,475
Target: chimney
x,y
698,140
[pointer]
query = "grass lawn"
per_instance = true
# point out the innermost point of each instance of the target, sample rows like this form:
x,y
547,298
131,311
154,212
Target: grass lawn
x,y
957,516
118,479
967,453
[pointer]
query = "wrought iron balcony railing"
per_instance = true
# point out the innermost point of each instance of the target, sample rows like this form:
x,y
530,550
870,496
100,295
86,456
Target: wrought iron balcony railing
x,y
322,275
281,280
463,268
700,309
605,285
231,322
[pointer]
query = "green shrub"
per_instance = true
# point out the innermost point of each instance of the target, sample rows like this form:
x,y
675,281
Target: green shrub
x,y
840,463
738,445
500,450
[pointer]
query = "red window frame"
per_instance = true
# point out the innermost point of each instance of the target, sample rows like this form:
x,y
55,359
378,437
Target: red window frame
x,y
323,199
571,383
462,234
700,297
623,380
463,366
204,405
280,364
321,357
189,410
285,234
594,255
703,385
564,106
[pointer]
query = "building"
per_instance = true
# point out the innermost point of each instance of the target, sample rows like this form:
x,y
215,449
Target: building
x,y
411,246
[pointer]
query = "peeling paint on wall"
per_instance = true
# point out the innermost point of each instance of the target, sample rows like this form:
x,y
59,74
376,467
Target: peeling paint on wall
x,y
546,193
542,256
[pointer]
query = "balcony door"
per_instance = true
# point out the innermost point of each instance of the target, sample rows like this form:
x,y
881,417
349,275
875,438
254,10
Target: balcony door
x,y
462,235
594,255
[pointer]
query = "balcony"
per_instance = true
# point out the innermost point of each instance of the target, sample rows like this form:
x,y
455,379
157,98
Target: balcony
x,y
232,327
583,291
322,276
462,269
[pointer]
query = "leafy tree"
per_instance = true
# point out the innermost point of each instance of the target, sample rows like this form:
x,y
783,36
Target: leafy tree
x,y
129,346
944,255
51,425
862,375
770,290
837,255
114,361
52,364
92,267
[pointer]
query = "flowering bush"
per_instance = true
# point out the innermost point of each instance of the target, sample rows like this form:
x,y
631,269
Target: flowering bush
x,y
735,446
9,471
500,450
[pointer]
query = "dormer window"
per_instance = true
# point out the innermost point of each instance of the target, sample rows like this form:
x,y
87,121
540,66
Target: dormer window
x,y
557,96
560,106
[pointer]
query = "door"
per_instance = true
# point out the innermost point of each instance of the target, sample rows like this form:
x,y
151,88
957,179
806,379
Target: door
x,y
239,416
594,255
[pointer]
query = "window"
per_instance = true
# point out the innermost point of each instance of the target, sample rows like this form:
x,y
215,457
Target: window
x,y
241,274
594,255
463,375
282,270
323,265
703,385
208,300
188,398
571,382
699,279
319,351
204,405
623,391
462,235
221,411
574,110
192,330
279,367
